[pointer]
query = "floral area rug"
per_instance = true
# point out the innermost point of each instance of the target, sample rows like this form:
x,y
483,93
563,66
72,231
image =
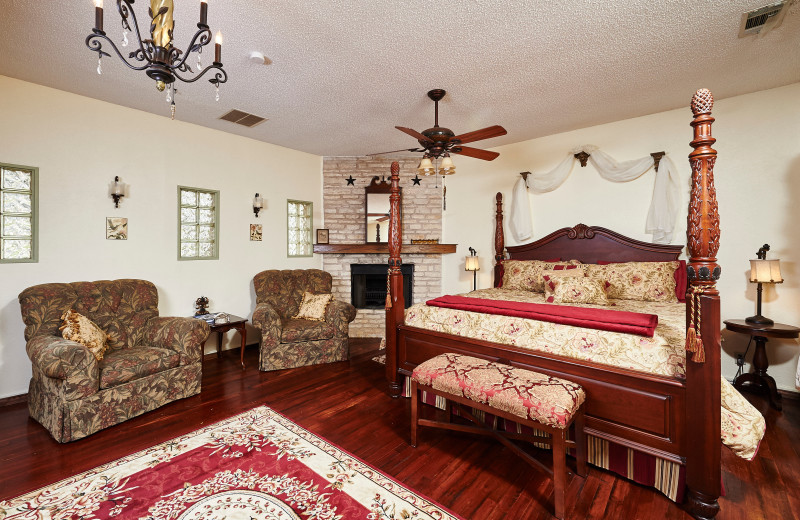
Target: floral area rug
x,y
257,465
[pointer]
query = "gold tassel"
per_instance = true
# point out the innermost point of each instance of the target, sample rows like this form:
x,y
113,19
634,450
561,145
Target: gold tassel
x,y
700,352
388,290
694,335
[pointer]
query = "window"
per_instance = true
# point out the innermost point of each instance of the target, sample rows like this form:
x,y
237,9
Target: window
x,y
198,217
301,217
18,211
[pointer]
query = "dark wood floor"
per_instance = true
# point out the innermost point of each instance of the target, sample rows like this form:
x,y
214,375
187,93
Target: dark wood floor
x,y
347,404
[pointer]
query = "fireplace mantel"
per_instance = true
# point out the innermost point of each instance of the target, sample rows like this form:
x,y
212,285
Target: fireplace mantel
x,y
382,248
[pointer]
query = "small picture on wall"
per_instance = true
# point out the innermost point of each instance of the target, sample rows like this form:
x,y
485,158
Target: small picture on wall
x,y
255,232
116,228
322,236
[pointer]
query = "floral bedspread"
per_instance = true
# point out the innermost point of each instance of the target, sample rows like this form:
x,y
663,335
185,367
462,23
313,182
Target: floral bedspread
x,y
742,425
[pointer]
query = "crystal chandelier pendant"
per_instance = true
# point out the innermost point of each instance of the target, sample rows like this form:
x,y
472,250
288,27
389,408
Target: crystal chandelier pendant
x,y
199,60
124,37
169,94
217,92
100,65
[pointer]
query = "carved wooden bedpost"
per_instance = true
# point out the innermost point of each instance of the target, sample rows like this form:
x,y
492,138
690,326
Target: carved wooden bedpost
x,y
499,241
703,470
395,304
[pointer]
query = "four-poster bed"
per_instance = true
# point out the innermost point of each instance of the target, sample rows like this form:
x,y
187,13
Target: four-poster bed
x,y
672,418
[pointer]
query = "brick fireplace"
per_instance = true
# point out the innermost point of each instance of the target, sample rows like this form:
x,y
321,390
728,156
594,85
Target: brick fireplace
x,y
344,217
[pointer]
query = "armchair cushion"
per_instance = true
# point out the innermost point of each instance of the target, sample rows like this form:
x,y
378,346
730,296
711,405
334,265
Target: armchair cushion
x,y
121,366
298,330
182,335
65,361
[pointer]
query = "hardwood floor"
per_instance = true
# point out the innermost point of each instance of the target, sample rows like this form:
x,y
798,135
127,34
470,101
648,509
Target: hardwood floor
x,y
347,404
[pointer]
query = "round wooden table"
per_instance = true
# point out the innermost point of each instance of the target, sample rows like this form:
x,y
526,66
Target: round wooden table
x,y
759,378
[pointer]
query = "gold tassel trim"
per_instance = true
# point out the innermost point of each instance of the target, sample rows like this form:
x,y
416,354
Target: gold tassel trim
x,y
694,337
388,290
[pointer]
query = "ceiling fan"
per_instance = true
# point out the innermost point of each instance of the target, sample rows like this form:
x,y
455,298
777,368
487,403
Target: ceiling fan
x,y
440,141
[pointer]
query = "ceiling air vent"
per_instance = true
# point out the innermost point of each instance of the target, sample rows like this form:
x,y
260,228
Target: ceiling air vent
x,y
769,17
243,118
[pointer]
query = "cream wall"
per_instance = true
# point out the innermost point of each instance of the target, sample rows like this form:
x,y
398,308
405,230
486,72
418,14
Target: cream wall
x,y
80,144
758,188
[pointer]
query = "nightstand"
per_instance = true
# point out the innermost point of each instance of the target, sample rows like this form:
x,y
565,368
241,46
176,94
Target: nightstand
x,y
759,378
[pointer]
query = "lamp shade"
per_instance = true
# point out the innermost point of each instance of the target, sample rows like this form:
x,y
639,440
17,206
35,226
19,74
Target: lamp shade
x,y
425,166
472,264
447,167
765,271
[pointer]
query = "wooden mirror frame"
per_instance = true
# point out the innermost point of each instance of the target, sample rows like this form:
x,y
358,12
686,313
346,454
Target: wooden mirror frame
x,y
377,186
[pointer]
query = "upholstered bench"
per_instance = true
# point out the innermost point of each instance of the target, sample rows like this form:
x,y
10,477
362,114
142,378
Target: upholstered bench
x,y
542,402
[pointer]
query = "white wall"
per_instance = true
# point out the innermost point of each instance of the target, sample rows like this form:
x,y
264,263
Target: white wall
x,y
80,144
758,188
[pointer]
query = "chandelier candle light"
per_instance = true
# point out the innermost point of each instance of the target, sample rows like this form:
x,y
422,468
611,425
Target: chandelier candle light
x,y
161,60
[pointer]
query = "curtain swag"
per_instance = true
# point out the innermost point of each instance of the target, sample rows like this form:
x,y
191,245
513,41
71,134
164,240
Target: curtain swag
x,y
663,207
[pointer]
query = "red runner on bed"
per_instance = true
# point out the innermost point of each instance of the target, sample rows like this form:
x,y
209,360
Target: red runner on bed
x,y
600,319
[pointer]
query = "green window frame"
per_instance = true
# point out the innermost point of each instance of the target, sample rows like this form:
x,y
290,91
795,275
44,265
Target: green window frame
x,y
299,223
198,224
19,214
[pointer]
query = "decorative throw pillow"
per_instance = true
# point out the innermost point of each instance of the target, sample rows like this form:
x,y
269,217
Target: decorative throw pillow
x,y
642,281
578,290
80,329
549,277
526,275
313,306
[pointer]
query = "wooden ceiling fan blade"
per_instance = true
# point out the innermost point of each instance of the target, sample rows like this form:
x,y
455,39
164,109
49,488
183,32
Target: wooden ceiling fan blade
x,y
479,135
400,150
413,133
477,153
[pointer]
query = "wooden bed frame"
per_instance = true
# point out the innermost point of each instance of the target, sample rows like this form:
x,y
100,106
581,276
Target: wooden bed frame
x,y
677,420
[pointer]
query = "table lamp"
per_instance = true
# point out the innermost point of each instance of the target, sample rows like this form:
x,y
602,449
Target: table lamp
x,y
472,264
763,271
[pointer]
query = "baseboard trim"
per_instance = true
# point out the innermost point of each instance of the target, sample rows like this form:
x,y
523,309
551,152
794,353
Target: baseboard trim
x,y
14,399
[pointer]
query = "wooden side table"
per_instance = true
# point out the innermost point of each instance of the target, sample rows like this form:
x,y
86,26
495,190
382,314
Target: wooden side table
x,y
759,378
234,323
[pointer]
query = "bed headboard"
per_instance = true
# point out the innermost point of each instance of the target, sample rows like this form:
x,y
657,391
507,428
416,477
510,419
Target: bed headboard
x,y
589,244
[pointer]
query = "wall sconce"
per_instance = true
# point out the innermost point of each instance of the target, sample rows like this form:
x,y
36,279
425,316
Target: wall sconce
x,y
763,271
117,191
472,264
258,204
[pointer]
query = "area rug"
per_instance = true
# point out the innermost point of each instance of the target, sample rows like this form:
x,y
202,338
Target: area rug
x,y
257,465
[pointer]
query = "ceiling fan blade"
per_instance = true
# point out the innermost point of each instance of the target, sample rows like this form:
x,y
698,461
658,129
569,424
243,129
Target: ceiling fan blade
x,y
413,133
478,135
401,150
477,153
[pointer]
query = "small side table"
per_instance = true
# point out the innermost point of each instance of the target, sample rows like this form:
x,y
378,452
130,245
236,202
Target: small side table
x,y
759,378
234,323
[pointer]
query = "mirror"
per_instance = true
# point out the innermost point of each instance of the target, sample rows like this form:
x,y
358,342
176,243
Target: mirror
x,y
376,208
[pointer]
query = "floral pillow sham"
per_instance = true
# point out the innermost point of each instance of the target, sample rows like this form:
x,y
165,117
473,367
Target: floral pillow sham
x,y
526,275
641,281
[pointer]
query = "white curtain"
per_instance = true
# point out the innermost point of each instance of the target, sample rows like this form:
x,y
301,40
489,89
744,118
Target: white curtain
x,y
666,190
797,375
520,223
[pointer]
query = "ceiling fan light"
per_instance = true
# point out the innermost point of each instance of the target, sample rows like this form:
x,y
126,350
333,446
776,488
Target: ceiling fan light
x,y
447,167
425,166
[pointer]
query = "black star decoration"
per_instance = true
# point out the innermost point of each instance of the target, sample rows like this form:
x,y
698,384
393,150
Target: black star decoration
x,y
351,181
416,180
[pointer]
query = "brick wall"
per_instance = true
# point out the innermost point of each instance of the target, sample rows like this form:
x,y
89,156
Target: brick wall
x,y
344,217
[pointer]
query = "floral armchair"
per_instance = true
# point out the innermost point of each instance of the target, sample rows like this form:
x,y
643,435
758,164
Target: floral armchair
x,y
289,342
150,361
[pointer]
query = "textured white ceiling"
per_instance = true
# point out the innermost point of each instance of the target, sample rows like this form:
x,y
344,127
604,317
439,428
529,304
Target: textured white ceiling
x,y
344,73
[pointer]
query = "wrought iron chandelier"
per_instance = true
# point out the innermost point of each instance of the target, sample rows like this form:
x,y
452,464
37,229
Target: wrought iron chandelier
x,y
158,57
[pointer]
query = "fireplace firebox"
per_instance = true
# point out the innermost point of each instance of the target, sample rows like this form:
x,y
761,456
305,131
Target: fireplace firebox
x,y
368,285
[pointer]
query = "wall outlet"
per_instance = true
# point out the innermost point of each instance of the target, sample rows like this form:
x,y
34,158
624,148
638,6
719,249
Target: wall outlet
x,y
740,359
